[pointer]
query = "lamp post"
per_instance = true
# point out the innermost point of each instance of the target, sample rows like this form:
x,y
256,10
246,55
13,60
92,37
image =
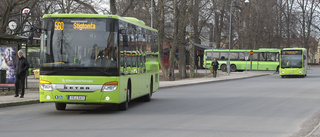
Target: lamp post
x,y
230,35
151,13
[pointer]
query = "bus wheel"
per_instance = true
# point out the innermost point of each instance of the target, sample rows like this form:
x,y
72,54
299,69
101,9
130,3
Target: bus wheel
x,y
61,106
233,68
147,98
125,105
223,68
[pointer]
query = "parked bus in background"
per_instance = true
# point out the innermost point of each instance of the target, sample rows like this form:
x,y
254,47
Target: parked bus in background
x,y
262,59
96,59
293,61
33,57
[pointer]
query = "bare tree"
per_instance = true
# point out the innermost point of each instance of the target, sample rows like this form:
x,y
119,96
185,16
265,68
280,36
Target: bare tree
x,y
12,11
306,18
219,19
161,21
113,7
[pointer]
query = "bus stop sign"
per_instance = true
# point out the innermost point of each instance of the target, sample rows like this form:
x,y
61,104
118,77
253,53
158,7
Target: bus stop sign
x,y
251,52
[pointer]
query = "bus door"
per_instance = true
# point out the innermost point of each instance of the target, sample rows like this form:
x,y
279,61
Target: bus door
x,y
265,61
255,61
268,61
305,61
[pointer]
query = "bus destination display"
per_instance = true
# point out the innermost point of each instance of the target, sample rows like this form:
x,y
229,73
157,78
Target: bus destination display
x,y
59,25
292,52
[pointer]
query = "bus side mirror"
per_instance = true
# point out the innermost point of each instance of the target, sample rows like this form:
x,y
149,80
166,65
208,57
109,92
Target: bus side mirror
x,y
30,38
125,40
123,32
304,57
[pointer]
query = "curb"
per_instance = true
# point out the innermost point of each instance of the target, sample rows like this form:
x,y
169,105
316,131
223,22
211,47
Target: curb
x,y
19,103
227,79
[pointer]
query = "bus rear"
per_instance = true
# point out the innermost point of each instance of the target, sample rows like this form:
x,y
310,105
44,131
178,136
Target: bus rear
x,y
293,61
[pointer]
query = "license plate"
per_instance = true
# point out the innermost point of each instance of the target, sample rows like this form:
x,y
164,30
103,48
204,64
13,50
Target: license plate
x,y
76,97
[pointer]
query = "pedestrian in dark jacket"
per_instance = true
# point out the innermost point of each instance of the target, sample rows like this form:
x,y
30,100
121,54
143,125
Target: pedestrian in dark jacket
x,y
21,66
215,66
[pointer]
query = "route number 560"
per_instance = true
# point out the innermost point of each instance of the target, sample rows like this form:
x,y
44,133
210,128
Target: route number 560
x,y
58,25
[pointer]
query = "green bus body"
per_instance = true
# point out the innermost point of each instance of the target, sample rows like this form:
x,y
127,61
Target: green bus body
x,y
96,59
262,59
293,61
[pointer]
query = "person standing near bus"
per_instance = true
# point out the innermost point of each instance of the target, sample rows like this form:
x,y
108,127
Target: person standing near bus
x,y
21,66
215,65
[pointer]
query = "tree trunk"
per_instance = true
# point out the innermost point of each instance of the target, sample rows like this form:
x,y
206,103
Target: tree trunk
x,y
113,7
181,40
182,61
161,40
195,36
175,42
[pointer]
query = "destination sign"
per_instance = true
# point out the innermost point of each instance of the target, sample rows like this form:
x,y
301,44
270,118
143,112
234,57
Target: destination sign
x,y
291,52
59,25
84,26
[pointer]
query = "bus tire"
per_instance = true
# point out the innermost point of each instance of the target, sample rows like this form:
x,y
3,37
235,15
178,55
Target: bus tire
x,y
223,68
147,98
233,68
61,106
125,105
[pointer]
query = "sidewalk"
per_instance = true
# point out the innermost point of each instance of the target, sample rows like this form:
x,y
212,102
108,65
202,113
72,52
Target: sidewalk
x,y
32,93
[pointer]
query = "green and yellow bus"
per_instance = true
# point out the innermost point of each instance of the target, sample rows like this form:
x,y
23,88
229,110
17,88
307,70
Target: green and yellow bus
x,y
262,59
96,59
293,61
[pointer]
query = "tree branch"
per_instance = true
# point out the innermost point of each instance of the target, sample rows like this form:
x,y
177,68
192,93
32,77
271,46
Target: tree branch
x,y
87,5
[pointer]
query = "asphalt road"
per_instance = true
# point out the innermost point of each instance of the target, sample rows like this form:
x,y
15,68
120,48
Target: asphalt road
x,y
267,106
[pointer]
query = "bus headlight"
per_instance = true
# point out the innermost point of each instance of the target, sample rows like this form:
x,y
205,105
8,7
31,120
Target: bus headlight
x,y
281,72
110,86
46,85
301,71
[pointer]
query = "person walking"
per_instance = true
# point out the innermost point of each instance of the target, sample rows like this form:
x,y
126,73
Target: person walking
x,y
21,66
215,66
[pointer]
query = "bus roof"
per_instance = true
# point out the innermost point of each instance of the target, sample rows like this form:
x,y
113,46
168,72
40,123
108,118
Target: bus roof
x,y
303,49
130,20
243,50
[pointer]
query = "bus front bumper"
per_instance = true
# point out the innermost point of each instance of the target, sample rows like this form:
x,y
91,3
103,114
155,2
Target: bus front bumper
x,y
291,72
96,97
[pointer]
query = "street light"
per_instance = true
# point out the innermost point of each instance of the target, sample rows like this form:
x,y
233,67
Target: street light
x,y
152,13
230,35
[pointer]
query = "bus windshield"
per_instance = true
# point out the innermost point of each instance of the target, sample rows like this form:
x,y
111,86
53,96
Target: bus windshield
x,y
291,61
80,47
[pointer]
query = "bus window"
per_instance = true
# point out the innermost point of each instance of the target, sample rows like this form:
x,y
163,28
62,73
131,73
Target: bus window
x,y
272,56
263,56
234,56
224,55
211,55
255,57
242,56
